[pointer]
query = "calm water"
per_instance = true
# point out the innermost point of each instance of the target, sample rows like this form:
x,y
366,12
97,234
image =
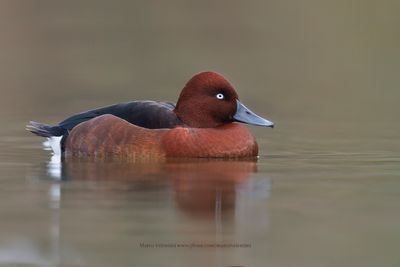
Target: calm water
x,y
324,192
308,201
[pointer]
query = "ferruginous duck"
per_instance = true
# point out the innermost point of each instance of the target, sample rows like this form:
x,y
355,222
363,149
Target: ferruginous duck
x,y
202,124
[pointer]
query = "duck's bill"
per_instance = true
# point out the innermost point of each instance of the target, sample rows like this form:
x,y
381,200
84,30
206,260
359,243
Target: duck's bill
x,y
245,115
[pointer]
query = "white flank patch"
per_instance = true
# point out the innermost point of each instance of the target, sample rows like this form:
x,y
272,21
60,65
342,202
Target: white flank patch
x,y
53,143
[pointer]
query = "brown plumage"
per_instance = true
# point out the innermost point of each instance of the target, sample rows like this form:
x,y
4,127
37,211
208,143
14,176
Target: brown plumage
x,y
108,136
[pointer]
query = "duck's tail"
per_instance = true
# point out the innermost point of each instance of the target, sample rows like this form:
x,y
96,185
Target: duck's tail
x,y
45,130
54,134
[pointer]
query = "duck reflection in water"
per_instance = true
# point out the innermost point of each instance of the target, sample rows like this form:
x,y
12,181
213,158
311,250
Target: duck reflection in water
x,y
203,188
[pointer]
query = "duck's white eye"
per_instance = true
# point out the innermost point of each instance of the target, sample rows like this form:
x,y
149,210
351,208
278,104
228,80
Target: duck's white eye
x,y
220,96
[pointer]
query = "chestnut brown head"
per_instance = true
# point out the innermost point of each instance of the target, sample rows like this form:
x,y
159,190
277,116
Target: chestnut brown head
x,y
209,100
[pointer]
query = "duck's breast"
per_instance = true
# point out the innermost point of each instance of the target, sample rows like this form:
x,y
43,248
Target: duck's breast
x,y
228,141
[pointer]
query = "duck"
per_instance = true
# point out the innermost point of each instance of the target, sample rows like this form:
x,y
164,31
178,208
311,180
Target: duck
x,y
204,123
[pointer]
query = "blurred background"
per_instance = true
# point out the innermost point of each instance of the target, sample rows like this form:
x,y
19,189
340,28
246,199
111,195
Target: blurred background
x,y
326,72
303,60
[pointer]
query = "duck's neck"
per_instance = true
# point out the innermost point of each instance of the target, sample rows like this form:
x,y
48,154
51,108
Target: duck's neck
x,y
195,118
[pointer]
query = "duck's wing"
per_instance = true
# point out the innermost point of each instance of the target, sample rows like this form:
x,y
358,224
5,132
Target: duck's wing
x,y
147,114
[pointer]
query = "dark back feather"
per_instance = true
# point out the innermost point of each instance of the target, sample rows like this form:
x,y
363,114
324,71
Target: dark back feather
x,y
147,114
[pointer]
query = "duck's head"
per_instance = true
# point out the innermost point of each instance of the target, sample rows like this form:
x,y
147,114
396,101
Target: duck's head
x,y
209,100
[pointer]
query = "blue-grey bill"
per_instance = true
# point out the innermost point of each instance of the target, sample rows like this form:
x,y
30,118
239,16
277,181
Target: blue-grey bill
x,y
245,115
